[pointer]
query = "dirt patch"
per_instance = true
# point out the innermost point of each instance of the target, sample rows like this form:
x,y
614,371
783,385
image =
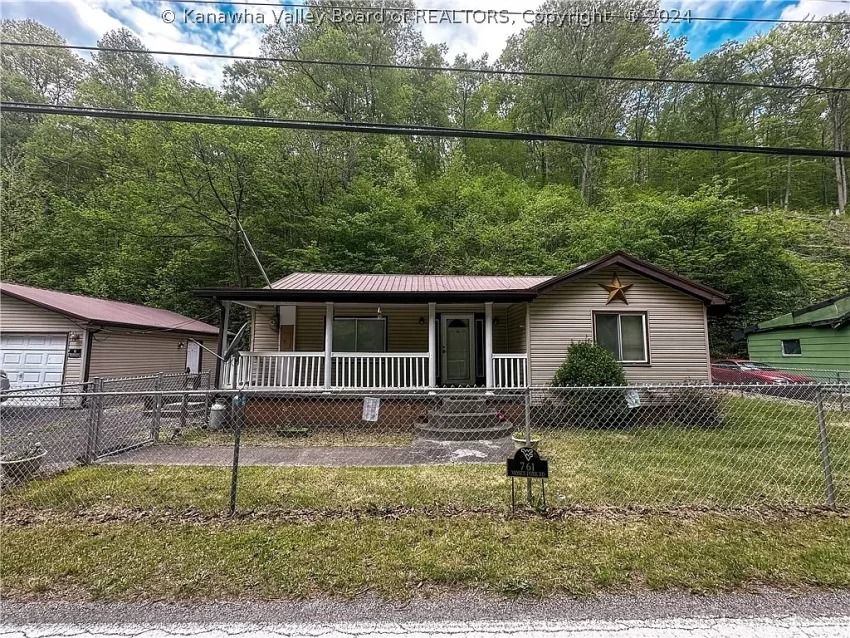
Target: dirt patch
x,y
25,518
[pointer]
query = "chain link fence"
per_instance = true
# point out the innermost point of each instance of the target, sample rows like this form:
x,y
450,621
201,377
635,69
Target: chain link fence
x,y
174,444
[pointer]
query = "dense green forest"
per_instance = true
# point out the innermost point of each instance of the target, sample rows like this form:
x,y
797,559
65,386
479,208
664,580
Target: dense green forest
x,y
144,211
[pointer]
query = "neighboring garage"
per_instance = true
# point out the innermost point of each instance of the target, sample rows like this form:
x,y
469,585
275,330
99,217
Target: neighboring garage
x,y
49,337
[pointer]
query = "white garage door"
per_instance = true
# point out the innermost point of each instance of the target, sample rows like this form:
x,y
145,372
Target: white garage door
x,y
33,360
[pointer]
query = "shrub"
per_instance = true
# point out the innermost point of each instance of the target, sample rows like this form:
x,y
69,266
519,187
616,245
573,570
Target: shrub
x,y
589,364
696,407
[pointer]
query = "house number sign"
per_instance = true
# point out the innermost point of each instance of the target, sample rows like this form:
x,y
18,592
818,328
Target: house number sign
x,y
528,464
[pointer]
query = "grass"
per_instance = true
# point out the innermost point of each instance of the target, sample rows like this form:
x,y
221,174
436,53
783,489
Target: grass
x,y
397,558
447,528
767,454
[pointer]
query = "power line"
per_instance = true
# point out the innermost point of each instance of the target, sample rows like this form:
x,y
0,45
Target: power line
x,y
402,129
436,69
637,16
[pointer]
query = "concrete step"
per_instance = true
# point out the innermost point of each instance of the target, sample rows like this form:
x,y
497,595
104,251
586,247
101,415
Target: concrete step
x,y
429,431
463,420
466,406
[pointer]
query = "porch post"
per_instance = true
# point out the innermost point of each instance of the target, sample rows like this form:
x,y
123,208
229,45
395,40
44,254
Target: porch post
x,y
221,370
432,345
488,344
329,341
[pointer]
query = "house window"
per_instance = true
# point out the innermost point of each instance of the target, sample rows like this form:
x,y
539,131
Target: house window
x,y
791,348
623,335
360,334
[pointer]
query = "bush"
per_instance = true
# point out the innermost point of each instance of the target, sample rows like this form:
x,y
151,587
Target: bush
x,y
589,364
695,407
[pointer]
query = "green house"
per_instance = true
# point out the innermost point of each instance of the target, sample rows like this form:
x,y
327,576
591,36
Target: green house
x,y
813,338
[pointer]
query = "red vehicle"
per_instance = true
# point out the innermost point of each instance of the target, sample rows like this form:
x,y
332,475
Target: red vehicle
x,y
746,371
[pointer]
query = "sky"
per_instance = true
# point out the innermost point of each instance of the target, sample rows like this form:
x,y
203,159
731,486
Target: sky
x,y
173,26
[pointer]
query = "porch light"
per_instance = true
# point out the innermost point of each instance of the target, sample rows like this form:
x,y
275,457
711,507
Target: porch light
x,y
421,321
379,312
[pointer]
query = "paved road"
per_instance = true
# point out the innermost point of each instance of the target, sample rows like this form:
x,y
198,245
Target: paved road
x,y
768,614
789,627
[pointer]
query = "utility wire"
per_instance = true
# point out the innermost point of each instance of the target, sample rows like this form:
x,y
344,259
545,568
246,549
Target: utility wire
x,y
402,129
637,16
436,69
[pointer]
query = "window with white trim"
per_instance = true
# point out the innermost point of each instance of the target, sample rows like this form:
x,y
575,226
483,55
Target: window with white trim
x,y
360,334
623,335
792,348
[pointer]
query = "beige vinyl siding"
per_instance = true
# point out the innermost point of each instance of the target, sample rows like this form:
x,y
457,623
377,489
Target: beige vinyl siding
x,y
404,332
20,316
118,353
516,328
677,328
263,336
309,328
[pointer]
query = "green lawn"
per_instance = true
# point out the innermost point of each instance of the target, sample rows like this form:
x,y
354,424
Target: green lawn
x,y
400,558
767,454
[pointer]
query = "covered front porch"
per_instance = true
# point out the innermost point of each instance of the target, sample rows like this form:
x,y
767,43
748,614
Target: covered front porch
x,y
381,346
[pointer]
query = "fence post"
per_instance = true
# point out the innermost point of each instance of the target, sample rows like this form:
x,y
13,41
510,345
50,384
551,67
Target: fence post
x,y
840,391
236,413
823,440
95,405
184,403
156,413
528,494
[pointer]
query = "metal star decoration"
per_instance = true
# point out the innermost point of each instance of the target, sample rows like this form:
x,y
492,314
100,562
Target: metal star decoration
x,y
616,290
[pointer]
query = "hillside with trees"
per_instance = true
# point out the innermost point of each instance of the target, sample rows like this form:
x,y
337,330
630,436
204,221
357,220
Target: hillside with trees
x,y
144,211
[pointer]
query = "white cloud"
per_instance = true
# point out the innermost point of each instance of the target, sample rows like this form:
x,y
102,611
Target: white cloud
x,y
808,9
477,33
85,21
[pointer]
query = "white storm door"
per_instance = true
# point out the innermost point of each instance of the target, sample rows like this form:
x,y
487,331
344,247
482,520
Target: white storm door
x,y
457,332
193,357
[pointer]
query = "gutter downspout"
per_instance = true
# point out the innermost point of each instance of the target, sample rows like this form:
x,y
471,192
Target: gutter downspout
x,y
90,333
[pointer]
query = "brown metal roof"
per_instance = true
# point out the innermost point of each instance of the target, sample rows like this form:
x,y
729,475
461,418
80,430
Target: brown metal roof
x,y
348,287
106,311
349,282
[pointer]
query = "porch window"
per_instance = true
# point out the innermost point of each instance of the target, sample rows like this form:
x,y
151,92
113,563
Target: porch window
x,y
623,335
360,334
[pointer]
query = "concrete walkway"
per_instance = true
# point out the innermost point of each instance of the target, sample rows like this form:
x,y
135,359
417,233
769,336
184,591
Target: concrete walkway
x,y
422,452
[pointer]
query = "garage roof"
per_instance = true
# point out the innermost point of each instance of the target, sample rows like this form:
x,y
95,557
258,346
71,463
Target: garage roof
x,y
106,311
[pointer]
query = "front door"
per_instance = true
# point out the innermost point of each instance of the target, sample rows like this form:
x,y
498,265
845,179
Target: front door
x,y
193,357
457,336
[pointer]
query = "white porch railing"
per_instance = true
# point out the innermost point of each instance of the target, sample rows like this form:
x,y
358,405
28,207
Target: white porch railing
x,y
352,370
380,370
510,371
280,369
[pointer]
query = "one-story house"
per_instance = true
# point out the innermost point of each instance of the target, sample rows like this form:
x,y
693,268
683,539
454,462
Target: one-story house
x,y
815,337
379,331
49,338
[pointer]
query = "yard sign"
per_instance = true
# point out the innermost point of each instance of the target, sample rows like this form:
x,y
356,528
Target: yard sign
x,y
371,408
